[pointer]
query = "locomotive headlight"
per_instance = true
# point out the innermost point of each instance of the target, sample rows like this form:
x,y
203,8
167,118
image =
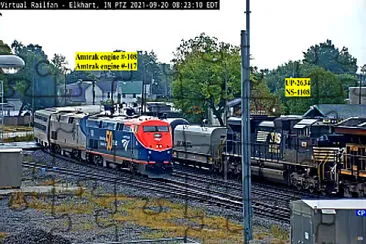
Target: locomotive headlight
x,y
149,152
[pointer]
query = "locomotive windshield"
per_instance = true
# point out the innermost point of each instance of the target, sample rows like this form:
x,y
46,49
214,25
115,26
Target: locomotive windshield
x,y
156,128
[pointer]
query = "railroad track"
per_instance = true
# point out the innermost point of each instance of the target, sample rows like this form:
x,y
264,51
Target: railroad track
x,y
173,188
235,188
258,188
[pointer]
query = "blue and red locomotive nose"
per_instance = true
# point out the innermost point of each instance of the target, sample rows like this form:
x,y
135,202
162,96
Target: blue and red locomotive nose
x,y
153,134
154,156
158,162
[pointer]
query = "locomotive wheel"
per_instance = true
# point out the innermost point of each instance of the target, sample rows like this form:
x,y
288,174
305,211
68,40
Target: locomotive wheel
x,y
75,154
98,160
132,169
57,149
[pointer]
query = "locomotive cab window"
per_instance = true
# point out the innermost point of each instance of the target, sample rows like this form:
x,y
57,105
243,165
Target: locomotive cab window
x,y
93,123
109,125
156,128
120,126
127,128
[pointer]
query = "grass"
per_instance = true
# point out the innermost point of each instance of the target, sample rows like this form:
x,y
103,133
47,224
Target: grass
x,y
279,233
16,128
19,138
3,235
163,218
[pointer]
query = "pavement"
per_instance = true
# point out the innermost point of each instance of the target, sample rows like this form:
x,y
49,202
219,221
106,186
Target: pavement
x,y
39,189
16,133
26,145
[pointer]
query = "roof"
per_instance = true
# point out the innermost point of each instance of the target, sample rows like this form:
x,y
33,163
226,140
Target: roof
x,y
77,93
266,124
234,102
352,126
106,85
199,129
353,122
131,87
305,123
336,204
338,111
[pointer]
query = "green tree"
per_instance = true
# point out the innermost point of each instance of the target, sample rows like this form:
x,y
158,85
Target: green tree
x,y
208,75
262,100
36,82
4,50
330,58
324,55
326,88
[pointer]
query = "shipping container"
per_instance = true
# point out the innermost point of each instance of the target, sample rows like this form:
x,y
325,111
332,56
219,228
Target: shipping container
x,y
340,221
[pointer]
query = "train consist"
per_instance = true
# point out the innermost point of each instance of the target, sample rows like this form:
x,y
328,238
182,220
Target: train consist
x,y
309,154
142,144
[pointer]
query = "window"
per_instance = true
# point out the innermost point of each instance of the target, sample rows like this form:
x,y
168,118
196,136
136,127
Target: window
x,y
134,95
93,123
109,125
71,120
40,117
39,126
108,95
127,128
93,144
156,129
120,126
54,135
124,95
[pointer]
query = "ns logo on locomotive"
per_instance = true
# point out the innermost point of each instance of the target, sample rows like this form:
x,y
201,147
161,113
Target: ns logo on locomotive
x,y
142,144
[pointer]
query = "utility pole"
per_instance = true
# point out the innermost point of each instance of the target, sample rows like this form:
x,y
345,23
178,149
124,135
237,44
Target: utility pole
x,y
316,60
245,128
362,78
2,95
93,91
359,92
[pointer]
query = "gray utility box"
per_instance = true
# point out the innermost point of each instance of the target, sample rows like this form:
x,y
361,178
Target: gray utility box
x,y
11,168
340,221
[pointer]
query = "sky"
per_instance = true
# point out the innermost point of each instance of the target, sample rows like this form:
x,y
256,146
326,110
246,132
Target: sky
x,y
280,30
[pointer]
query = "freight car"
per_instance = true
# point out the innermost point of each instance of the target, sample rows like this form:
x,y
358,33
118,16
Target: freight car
x,y
198,145
309,154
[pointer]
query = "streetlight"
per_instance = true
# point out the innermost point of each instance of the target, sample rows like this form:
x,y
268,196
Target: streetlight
x,y
362,75
9,64
65,70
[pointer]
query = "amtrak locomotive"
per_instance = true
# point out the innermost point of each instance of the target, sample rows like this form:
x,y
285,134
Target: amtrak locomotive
x,y
142,144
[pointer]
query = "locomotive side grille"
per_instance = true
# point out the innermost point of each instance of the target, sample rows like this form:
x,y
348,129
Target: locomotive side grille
x,y
325,154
